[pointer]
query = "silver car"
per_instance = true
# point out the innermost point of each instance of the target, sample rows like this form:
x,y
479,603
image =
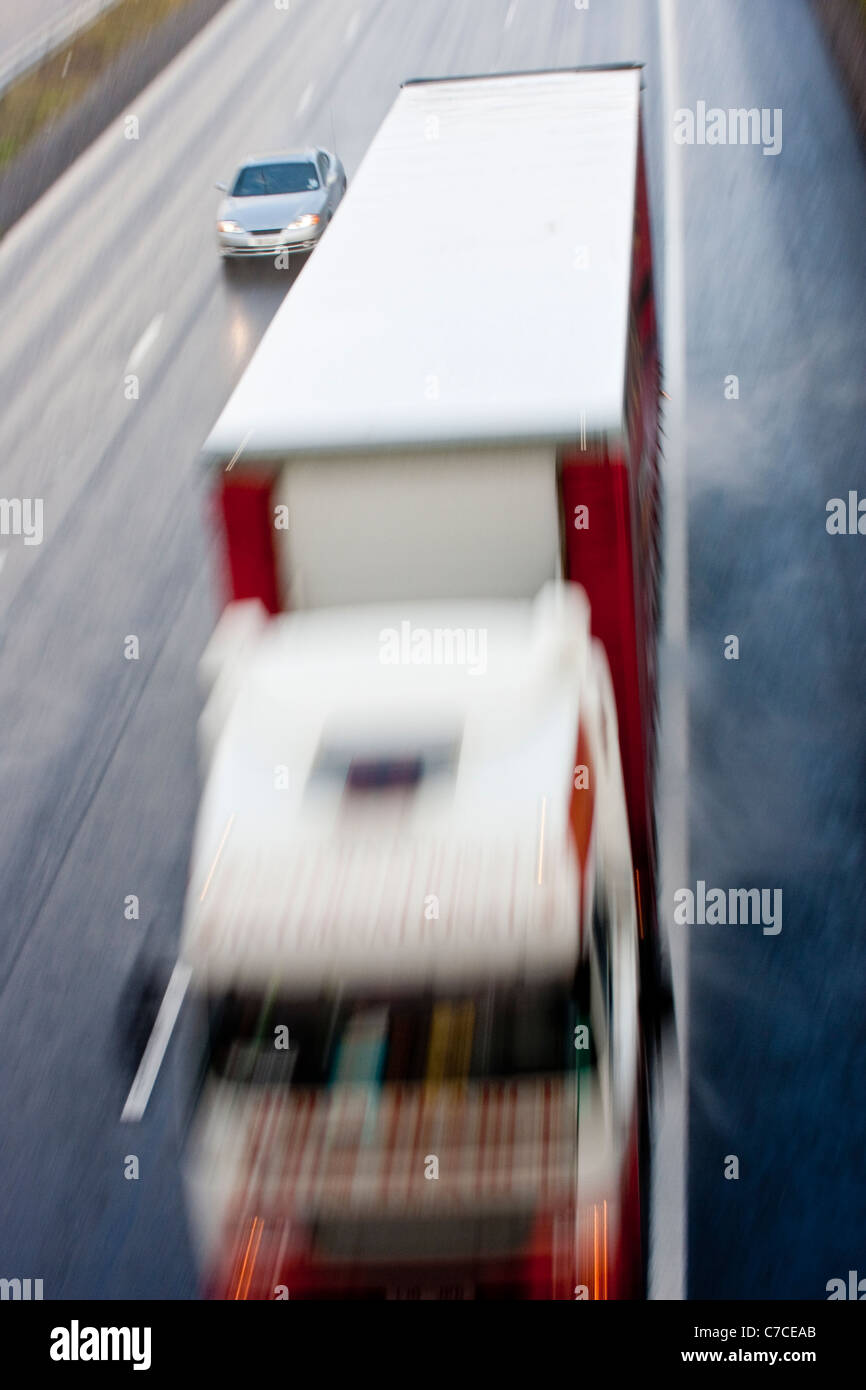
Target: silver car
x,y
279,203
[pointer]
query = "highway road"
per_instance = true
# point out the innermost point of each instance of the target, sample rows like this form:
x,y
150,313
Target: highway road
x,y
24,27
114,273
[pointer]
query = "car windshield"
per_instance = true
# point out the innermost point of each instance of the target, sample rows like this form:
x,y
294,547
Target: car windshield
x,y
496,1034
261,180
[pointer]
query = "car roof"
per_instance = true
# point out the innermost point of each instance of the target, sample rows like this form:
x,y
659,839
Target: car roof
x,y
278,157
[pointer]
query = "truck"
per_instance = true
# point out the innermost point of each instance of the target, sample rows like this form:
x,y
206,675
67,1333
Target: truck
x,y
420,928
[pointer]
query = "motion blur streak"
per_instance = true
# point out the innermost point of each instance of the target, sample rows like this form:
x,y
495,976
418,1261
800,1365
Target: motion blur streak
x,y
250,1255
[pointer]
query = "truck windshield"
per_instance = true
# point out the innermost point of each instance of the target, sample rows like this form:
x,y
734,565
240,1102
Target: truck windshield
x,y
274,1040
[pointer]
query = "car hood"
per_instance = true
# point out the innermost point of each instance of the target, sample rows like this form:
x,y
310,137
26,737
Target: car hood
x,y
275,210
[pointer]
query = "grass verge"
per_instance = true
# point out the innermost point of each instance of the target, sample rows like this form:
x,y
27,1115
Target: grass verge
x,y
38,99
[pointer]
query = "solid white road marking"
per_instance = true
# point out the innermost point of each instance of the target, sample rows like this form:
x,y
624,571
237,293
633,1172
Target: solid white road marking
x,y
145,342
306,98
512,11
670,1156
352,27
136,1101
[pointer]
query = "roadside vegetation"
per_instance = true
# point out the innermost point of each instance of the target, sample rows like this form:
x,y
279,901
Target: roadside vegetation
x,y
38,99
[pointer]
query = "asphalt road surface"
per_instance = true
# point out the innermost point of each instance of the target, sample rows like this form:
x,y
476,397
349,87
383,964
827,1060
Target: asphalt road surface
x,y
115,273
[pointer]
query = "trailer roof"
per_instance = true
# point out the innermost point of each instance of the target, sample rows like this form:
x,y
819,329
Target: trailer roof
x,y
473,286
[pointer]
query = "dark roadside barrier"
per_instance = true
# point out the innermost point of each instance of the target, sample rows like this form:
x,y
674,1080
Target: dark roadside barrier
x,y
844,25
55,147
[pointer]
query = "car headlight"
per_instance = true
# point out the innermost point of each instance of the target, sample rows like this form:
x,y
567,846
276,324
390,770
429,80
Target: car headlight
x,y
229,227
309,219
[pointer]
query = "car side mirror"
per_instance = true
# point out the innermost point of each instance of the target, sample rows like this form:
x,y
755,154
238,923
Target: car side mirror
x,y
221,187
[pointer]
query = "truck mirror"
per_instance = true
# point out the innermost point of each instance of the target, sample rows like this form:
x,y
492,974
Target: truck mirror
x,y
138,1007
